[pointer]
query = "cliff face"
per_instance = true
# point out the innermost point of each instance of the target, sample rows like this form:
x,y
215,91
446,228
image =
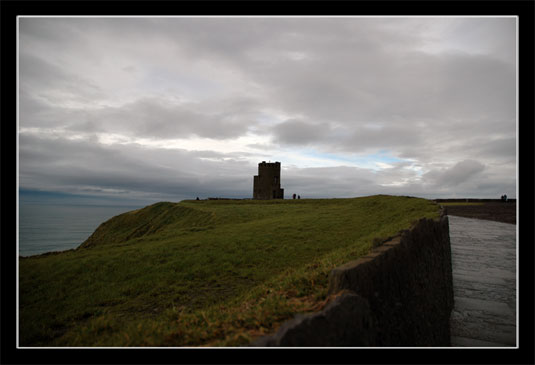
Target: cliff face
x,y
400,294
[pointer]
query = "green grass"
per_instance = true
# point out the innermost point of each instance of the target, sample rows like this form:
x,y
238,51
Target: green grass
x,y
201,273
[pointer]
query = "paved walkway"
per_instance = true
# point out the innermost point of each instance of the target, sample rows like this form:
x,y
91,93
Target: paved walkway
x,y
484,283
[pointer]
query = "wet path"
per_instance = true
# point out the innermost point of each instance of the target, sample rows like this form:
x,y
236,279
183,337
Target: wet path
x,y
484,282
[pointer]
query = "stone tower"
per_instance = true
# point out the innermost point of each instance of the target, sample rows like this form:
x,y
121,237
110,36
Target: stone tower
x,y
267,185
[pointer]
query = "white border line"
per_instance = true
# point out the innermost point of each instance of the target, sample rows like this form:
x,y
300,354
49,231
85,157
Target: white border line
x,y
517,314
17,180
266,17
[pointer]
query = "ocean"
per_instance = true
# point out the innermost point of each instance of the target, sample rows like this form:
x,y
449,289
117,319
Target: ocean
x,y
45,227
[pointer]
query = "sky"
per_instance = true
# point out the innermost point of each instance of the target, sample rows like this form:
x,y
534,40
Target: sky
x,y
172,108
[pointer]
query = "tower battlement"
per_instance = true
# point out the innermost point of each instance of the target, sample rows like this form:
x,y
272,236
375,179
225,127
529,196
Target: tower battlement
x,y
266,184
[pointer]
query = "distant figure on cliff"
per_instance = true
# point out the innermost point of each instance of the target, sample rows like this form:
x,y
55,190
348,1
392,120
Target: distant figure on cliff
x,y
294,196
299,197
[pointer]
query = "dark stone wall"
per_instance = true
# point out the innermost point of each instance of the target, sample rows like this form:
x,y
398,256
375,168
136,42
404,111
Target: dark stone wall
x,y
400,294
346,321
472,200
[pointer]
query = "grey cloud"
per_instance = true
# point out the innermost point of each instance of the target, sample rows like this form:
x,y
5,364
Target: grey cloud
x,y
414,86
326,182
145,118
86,167
499,149
491,36
352,182
129,68
418,99
480,85
350,73
299,132
50,82
459,173
76,166
390,137
356,85
155,118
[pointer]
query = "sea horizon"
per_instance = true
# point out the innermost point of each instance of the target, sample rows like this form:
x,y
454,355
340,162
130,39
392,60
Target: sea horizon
x,y
60,226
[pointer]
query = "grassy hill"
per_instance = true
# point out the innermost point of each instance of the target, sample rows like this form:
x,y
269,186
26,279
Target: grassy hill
x,y
201,273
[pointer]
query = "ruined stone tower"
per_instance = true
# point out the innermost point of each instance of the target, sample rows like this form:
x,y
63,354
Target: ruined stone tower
x,y
267,185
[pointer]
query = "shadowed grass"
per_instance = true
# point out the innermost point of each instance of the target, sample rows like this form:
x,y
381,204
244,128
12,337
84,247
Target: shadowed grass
x,y
201,273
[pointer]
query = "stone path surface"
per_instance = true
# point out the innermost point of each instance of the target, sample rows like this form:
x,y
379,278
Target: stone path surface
x,y
484,283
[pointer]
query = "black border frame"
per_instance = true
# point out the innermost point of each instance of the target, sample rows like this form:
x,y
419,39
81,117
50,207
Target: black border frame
x,y
525,11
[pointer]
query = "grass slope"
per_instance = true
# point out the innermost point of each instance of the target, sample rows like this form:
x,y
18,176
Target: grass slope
x,y
201,273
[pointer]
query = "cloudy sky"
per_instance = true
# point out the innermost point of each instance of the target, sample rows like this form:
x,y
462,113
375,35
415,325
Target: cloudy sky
x,y
174,108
